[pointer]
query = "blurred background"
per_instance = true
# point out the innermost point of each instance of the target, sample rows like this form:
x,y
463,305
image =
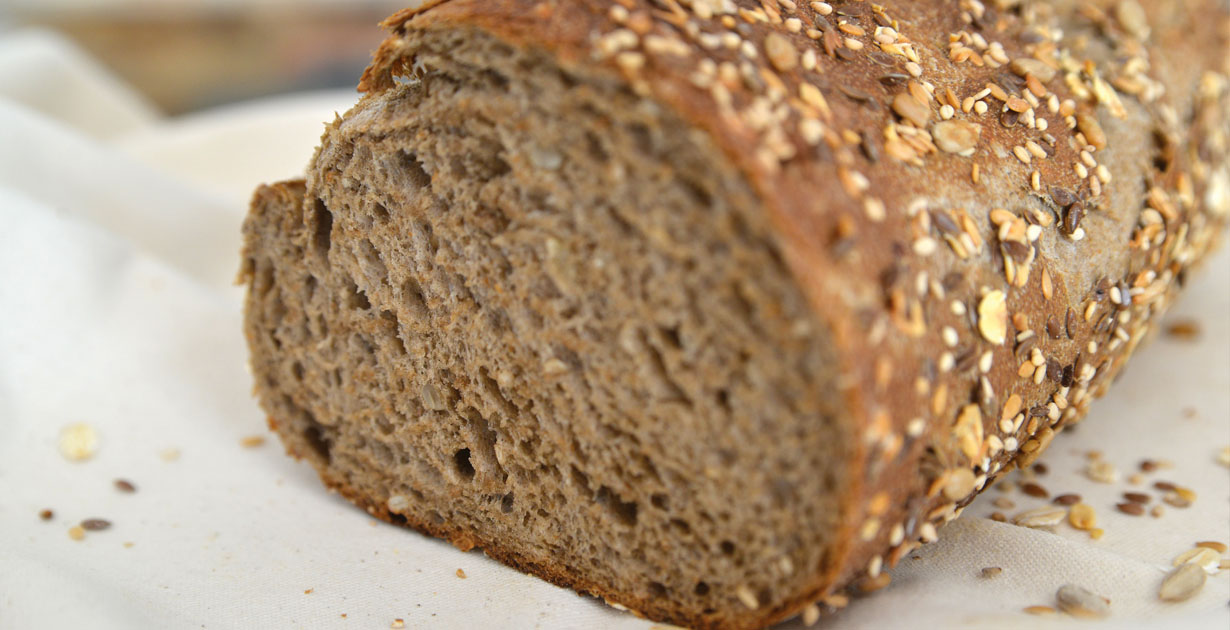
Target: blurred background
x,y
187,55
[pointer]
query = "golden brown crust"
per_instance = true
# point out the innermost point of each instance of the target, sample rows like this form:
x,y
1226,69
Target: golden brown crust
x,y
985,274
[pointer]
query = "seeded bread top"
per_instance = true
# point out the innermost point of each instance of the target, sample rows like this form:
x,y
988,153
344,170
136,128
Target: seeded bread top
x,y
986,203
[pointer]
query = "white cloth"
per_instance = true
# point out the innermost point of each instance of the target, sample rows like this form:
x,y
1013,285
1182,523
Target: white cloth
x,y
116,310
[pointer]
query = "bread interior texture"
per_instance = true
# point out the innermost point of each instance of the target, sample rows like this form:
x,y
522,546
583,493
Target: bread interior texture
x,y
525,309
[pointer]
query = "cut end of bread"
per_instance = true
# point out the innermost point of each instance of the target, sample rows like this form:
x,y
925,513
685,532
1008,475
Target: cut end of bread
x,y
530,311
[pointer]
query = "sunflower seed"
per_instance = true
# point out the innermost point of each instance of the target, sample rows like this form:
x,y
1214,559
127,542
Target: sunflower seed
x,y
1080,602
1202,557
1182,583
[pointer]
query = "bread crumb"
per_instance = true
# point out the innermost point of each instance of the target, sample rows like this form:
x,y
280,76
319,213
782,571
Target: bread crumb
x,y
461,574
1184,329
169,454
76,532
398,623
990,572
46,515
308,591
252,441
1039,610
78,442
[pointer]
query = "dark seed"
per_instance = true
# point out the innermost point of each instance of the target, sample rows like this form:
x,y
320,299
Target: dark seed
x,y
1072,219
844,54
1134,509
1052,327
868,146
894,79
1009,118
1062,197
1164,486
1070,324
1017,250
1136,497
123,485
95,524
882,58
1040,468
854,93
1148,465
1067,499
1034,490
46,515
944,222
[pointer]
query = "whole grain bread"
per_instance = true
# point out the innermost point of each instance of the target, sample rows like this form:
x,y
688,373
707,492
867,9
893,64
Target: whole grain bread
x,y
717,309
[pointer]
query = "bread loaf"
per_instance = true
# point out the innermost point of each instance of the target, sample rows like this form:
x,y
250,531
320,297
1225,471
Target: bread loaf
x,y
718,308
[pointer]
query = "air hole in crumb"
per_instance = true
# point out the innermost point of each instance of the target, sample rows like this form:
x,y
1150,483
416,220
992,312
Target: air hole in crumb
x,y
701,589
671,335
723,400
412,296
394,331
659,501
297,370
380,212
322,221
265,280
357,299
383,425
506,503
580,480
316,440
681,525
656,590
462,460
623,512
435,517
310,283
594,146
727,547
414,171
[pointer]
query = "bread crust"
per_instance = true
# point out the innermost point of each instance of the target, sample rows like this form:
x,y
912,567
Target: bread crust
x,y
948,292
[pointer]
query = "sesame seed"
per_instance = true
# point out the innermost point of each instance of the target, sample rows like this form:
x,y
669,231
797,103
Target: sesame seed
x,y
746,596
811,614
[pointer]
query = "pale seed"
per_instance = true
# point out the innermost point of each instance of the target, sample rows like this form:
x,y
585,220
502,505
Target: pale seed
x,y
1047,516
78,441
1182,583
956,136
1202,557
993,317
1080,602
